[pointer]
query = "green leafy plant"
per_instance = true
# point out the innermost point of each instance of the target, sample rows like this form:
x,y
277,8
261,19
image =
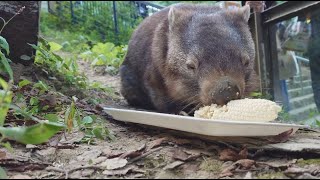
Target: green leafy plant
x,y
66,69
106,54
4,65
35,134
3,174
94,128
91,125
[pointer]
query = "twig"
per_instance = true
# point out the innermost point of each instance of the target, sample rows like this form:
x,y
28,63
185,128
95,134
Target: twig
x,y
5,23
86,167
145,155
58,170
229,146
55,169
67,172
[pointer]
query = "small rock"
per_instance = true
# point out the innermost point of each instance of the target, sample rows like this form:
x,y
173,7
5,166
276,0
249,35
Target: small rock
x,y
31,146
114,163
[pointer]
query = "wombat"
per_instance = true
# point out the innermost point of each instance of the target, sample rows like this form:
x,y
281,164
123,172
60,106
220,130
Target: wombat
x,y
186,56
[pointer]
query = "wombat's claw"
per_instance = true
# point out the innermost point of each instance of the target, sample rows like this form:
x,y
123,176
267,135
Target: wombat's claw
x,y
183,113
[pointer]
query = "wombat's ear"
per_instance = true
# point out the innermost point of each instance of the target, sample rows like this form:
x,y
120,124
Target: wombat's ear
x,y
245,12
173,16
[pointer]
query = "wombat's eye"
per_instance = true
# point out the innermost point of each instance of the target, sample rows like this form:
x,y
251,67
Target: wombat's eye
x,y
191,65
245,61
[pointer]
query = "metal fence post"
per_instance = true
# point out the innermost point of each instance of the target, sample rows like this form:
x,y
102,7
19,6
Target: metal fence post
x,y
115,21
72,14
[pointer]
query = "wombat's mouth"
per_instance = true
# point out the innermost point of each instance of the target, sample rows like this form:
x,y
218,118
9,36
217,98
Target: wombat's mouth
x,y
223,91
223,96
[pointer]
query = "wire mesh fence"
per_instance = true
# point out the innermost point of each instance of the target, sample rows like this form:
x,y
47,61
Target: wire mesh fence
x,y
113,20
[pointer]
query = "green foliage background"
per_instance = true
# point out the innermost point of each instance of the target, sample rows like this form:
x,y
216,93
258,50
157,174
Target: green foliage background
x,y
93,19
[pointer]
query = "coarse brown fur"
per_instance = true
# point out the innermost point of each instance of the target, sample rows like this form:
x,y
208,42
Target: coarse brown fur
x,y
185,56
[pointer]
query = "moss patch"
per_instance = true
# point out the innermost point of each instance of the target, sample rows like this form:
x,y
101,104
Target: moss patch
x,y
211,165
302,162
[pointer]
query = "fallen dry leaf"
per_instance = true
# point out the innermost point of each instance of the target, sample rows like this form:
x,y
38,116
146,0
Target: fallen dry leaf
x,y
306,176
134,153
114,163
75,175
19,176
198,151
314,170
99,160
226,173
3,155
142,147
278,164
114,154
136,176
23,166
89,155
282,137
131,154
248,176
87,172
243,164
228,155
243,154
180,141
173,165
157,142
178,154
295,171
119,172
231,155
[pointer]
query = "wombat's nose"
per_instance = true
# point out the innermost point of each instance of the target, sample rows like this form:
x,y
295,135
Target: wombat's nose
x,y
226,92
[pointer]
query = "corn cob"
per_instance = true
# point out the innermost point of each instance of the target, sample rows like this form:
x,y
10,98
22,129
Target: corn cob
x,y
259,110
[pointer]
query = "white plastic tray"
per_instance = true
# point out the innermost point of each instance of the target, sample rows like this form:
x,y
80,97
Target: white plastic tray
x,y
201,126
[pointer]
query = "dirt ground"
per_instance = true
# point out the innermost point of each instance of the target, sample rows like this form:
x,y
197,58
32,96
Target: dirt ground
x,y
150,152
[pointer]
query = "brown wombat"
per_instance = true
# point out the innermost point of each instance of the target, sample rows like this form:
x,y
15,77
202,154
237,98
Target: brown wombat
x,y
186,56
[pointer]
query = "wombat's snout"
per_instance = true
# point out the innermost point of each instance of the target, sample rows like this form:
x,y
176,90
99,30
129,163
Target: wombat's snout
x,y
225,91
